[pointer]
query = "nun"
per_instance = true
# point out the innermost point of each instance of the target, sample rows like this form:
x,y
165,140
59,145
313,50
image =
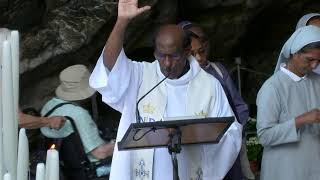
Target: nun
x,y
288,111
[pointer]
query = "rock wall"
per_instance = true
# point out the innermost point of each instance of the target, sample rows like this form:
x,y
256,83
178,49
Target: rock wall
x,y
59,33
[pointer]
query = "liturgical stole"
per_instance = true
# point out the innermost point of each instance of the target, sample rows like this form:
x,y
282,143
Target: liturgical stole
x,y
200,94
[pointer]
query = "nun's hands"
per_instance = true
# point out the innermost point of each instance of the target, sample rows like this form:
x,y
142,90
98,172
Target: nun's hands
x,y
310,117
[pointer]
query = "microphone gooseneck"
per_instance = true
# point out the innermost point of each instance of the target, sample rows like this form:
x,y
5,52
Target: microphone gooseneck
x,y
138,120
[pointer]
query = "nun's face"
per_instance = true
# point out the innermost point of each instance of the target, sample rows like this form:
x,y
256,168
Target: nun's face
x,y
303,63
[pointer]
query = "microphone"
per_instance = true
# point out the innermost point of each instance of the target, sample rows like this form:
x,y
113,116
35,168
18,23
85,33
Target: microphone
x,y
137,109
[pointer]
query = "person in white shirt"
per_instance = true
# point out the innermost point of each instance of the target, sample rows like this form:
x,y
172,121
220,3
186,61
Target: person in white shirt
x,y
187,91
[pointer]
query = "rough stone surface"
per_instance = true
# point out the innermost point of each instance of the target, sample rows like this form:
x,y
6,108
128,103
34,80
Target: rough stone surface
x,y
59,33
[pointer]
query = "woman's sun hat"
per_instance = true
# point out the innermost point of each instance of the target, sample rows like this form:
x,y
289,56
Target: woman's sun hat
x,y
74,83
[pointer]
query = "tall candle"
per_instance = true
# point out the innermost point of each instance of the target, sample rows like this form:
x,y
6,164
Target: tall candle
x,y
7,176
3,36
52,164
9,131
23,156
14,40
40,172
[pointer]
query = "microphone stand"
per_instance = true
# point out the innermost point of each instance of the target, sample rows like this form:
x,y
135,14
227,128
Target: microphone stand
x,y
138,120
174,147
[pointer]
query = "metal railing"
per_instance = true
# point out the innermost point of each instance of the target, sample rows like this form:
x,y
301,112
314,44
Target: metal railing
x,y
238,68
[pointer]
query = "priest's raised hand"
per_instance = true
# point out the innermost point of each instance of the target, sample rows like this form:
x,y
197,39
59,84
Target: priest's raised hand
x,y
128,9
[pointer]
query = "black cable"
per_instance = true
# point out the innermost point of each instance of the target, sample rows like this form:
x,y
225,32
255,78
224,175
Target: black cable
x,y
139,138
137,109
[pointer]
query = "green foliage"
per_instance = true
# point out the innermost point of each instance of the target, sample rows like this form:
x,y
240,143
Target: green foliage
x,y
254,149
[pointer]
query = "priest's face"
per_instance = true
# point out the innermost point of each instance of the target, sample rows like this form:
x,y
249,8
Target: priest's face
x,y
170,53
303,63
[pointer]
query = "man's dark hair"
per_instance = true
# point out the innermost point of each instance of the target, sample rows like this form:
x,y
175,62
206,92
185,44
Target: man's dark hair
x,y
187,25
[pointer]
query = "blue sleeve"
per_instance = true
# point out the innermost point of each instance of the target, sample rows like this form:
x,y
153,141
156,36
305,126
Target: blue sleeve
x,y
240,106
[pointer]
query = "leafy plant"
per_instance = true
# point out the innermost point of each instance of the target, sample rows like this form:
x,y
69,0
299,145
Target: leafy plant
x,y
254,149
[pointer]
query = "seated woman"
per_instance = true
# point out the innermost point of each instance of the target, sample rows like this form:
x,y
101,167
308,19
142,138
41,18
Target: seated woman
x,y
288,111
72,98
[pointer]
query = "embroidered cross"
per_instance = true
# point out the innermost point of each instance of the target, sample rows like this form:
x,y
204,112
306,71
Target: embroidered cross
x,y
141,173
202,113
148,108
199,174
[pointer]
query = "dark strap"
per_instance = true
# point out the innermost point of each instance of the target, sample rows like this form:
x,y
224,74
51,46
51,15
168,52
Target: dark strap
x,y
74,128
78,134
56,107
84,155
67,117
88,165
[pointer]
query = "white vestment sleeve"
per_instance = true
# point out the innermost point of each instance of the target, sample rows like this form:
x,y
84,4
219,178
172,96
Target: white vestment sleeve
x,y
119,88
226,152
119,85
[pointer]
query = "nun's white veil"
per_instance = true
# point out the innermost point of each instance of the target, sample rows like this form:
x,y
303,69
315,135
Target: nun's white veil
x,y
303,22
304,19
300,38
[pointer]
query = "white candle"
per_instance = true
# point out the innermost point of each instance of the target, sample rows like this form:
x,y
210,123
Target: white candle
x,y
14,40
52,164
23,156
3,36
40,172
9,130
7,176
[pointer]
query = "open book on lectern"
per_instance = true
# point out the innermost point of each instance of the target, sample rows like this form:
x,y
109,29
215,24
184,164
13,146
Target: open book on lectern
x,y
194,130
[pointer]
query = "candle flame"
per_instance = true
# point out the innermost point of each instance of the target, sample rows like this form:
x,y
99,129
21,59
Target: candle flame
x,y
53,146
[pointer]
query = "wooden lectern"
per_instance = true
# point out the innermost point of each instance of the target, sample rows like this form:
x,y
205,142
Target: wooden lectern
x,y
174,133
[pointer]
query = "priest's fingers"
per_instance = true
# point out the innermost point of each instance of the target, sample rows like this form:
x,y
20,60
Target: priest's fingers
x,y
143,9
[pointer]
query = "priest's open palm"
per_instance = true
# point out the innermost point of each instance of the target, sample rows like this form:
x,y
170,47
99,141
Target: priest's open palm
x,y
128,9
